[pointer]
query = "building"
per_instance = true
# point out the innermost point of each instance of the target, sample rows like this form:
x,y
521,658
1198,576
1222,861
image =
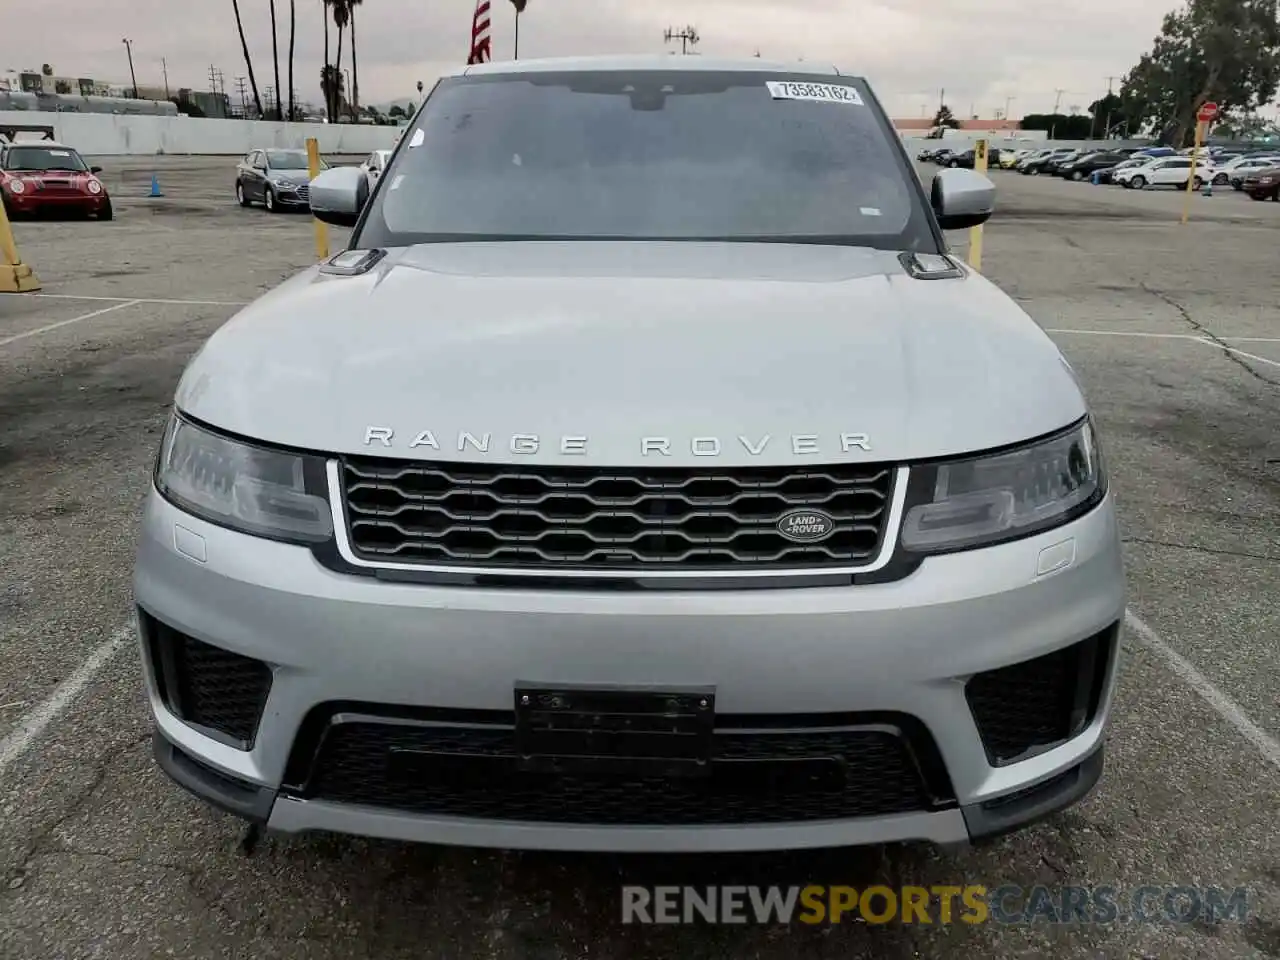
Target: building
x,y
922,126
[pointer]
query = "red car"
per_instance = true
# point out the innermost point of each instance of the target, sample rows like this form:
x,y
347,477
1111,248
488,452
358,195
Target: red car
x,y
47,177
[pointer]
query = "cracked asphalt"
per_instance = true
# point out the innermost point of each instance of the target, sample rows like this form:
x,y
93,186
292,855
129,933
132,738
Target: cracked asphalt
x,y
1175,332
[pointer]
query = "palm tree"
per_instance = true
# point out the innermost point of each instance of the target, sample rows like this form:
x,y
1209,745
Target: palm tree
x,y
355,71
248,61
328,99
331,84
293,31
341,17
275,56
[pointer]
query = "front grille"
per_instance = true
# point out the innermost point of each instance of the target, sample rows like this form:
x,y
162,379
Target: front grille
x,y
1033,706
606,518
304,192
207,686
772,776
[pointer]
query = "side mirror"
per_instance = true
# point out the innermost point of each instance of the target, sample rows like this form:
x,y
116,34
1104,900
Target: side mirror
x,y
95,169
338,195
962,198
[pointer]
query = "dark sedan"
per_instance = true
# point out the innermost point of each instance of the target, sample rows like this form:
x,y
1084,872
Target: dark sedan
x,y
1263,184
1083,166
967,159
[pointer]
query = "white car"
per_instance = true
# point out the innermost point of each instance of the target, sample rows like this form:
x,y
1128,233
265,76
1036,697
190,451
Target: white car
x,y
1165,172
373,166
1235,170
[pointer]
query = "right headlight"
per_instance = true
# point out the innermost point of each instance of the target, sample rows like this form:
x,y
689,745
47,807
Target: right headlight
x,y
979,501
252,489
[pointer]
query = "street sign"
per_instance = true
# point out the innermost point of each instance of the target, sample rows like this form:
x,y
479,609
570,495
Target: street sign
x,y
1207,112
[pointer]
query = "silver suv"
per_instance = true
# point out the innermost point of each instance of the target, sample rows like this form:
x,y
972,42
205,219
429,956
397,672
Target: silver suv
x,y
645,475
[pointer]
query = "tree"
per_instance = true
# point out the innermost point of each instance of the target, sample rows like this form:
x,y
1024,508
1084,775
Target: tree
x,y
396,111
519,5
275,56
331,86
945,118
324,15
1108,113
341,17
293,33
46,70
1225,51
355,68
248,60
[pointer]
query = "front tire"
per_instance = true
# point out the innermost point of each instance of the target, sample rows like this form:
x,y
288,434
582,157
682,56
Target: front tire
x,y
269,196
241,198
1138,183
1220,180
953,164
1077,175
1198,183
105,211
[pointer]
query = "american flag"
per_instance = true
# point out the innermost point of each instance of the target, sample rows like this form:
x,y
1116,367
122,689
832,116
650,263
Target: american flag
x,y
480,52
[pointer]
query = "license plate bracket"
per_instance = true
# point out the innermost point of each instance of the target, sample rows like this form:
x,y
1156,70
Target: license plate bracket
x,y
583,729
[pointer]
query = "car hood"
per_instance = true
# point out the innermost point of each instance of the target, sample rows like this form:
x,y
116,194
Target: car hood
x,y
732,353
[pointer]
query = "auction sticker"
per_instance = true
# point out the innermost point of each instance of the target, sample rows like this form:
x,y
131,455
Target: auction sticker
x,y
820,92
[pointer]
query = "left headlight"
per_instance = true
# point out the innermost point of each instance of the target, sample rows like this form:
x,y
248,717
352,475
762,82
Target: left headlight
x,y
247,488
981,501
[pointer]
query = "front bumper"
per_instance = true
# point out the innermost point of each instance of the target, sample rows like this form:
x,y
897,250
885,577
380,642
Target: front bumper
x,y
33,204
884,667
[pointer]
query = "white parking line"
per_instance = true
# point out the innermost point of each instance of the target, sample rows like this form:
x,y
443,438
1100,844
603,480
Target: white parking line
x,y
1162,336
63,323
64,694
76,296
1240,353
1222,705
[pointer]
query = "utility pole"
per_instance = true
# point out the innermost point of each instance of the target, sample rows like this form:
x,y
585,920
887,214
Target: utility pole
x,y
213,79
165,67
1106,125
244,95
688,37
1007,102
1057,100
128,45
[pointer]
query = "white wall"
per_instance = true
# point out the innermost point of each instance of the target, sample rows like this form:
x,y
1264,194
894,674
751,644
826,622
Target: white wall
x,y
111,135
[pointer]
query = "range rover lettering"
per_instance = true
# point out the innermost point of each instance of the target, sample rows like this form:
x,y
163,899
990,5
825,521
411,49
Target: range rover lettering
x,y
645,475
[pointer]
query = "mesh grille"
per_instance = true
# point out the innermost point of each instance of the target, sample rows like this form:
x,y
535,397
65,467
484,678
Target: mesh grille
x,y
1039,703
769,777
507,516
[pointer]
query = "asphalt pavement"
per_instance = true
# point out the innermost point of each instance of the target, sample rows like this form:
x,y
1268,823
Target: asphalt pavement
x,y
1174,330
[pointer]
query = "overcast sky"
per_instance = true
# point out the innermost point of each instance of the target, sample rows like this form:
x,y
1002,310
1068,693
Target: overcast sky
x,y
980,51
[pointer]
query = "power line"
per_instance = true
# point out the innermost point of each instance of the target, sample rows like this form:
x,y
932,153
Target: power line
x,y
688,36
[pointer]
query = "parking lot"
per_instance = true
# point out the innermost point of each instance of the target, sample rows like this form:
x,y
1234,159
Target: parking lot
x,y
1174,330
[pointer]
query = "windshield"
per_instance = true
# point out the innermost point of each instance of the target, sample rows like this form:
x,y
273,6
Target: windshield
x,y
660,155
43,158
287,159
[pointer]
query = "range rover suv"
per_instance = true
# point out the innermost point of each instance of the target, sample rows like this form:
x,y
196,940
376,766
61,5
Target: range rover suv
x,y
646,474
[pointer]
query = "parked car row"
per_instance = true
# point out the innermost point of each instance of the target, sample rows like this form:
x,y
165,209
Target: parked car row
x,y
1252,171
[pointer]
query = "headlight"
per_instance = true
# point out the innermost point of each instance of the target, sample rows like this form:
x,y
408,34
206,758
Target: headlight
x,y
94,187
16,186
980,501
247,488
285,182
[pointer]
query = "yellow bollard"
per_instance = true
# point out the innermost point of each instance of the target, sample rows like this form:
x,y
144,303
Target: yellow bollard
x,y
975,233
1201,129
313,171
15,276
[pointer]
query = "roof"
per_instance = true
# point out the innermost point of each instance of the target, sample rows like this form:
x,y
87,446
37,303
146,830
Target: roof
x,y
645,62
35,142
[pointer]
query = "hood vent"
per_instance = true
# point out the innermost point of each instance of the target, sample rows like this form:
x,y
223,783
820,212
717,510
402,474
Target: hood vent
x,y
931,266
